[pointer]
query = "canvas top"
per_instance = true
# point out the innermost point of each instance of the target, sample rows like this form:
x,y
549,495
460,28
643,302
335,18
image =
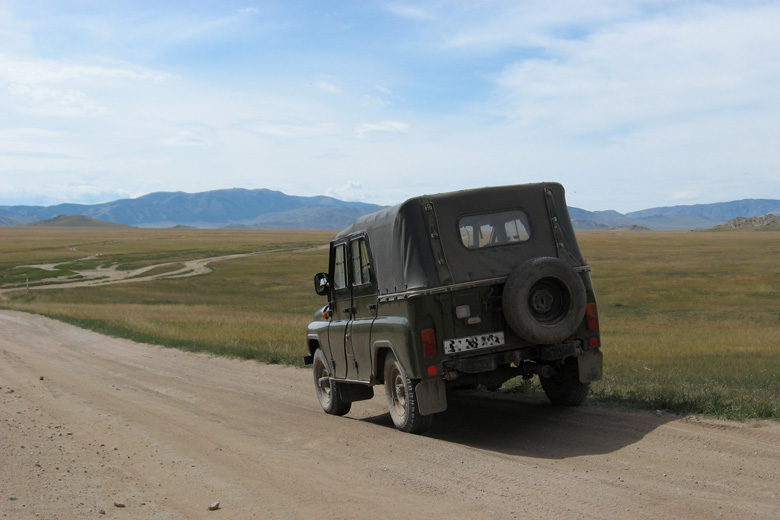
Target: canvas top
x,y
428,242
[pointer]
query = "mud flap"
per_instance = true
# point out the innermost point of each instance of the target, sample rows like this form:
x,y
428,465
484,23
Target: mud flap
x,y
351,392
589,363
431,396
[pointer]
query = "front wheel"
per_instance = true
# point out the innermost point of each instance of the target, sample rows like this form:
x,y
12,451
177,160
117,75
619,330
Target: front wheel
x,y
328,391
402,399
564,388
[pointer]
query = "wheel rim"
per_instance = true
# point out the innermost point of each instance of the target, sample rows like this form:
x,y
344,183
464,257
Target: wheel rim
x,y
548,301
322,382
397,394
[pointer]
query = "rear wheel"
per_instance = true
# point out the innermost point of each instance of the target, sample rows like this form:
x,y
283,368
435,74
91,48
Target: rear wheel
x,y
328,391
402,399
564,388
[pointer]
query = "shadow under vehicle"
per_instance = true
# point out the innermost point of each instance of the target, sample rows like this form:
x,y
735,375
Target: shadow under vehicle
x,y
455,290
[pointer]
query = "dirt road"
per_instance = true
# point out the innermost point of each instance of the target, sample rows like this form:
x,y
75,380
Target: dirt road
x,y
88,421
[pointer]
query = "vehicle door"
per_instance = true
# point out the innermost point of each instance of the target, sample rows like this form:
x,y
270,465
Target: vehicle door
x,y
364,309
340,307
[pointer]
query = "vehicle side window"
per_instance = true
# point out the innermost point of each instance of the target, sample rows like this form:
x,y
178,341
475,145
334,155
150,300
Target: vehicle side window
x,y
361,263
340,268
493,229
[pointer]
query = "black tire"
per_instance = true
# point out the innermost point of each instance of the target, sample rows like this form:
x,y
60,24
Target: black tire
x,y
328,391
402,399
544,300
565,388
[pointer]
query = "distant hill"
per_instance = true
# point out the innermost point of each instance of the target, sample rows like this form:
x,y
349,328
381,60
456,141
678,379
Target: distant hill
x,y
697,216
8,221
765,223
632,228
314,217
210,209
722,211
267,209
76,221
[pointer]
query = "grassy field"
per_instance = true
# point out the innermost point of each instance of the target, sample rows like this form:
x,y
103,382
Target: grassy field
x,y
690,321
255,307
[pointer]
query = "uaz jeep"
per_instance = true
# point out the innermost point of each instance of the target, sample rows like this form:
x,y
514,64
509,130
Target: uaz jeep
x,y
455,290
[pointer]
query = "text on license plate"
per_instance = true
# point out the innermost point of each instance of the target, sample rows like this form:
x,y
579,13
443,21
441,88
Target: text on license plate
x,y
493,339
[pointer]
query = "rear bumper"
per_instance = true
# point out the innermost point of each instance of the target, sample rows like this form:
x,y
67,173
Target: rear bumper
x,y
525,361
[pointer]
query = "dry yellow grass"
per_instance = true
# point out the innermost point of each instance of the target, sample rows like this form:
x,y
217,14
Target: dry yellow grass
x,y
690,321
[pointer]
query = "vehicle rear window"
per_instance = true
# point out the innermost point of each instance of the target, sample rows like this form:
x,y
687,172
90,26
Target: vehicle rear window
x,y
493,229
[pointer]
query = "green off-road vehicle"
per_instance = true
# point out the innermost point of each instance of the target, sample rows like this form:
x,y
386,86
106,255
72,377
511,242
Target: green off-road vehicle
x,y
455,290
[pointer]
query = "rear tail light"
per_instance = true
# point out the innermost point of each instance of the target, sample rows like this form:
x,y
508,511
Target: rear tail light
x,y
592,316
428,343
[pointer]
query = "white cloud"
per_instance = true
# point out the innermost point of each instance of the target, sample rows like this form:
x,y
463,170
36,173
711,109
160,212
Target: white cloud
x,y
383,130
327,87
53,102
685,195
38,155
332,156
374,101
186,139
61,88
292,129
55,191
383,99
383,90
410,12
531,24
353,190
648,73
16,70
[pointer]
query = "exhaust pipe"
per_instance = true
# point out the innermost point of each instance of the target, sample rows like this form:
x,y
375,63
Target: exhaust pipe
x,y
541,370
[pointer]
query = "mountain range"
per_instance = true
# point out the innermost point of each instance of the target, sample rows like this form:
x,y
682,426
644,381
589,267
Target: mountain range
x,y
696,216
267,209
235,208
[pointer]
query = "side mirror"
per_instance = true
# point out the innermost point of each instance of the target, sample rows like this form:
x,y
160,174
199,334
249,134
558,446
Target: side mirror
x,y
321,284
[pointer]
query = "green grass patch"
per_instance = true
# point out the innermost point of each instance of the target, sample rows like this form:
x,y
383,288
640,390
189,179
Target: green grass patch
x,y
268,354
24,275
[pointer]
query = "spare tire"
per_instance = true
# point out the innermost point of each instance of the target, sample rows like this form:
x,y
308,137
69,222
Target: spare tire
x,y
544,300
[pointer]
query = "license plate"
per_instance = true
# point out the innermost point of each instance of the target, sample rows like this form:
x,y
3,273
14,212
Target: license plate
x,y
453,346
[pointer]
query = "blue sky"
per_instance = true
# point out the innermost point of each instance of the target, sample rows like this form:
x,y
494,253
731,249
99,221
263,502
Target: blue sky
x,y
629,104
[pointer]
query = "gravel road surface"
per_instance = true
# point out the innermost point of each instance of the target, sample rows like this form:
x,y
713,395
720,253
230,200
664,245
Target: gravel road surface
x,y
98,427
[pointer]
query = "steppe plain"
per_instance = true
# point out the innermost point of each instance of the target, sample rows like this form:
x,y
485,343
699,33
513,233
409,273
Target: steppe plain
x,y
690,323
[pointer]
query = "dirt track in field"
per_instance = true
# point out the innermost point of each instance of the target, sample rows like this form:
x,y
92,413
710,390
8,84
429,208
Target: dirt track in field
x,y
87,421
111,274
